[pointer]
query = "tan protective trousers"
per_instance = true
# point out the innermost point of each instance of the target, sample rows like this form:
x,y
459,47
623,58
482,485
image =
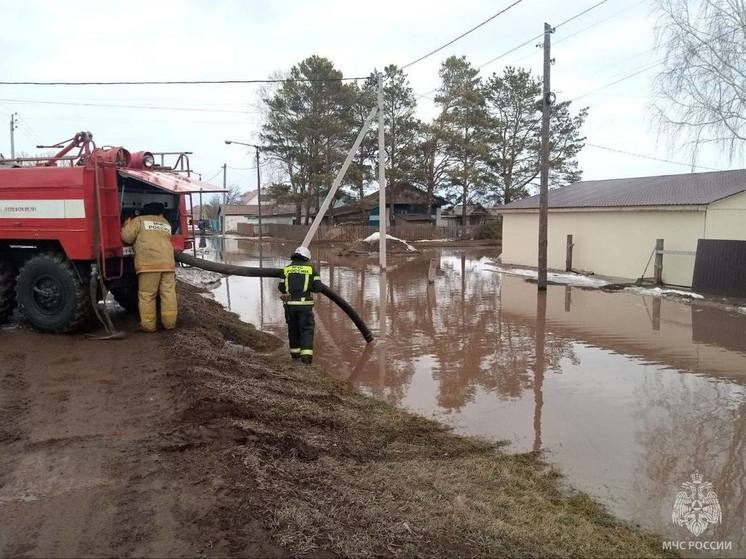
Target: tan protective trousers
x,y
150,286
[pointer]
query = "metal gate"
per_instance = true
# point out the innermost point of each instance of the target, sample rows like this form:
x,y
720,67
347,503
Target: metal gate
x,y
720,268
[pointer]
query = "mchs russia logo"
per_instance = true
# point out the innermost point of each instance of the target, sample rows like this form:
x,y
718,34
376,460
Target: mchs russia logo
x,y
697,506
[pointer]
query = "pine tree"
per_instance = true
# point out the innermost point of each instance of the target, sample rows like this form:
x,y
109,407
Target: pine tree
x,y
362,169
464,121
432,161
514,137
400,130
308,121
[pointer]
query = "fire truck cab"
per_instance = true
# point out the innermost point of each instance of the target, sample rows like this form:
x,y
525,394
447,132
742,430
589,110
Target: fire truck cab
x,y
60,223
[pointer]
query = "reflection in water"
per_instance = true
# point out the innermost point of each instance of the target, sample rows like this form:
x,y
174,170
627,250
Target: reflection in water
x,y
627,395
541,321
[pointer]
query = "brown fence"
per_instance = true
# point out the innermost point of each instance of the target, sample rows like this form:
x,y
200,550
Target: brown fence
x,y
347,233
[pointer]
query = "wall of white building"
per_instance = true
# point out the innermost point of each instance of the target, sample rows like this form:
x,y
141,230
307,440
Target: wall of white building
x,y
609,243
232,221
726,219
618,243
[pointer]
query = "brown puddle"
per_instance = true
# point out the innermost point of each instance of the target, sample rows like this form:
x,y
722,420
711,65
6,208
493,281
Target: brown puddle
x,y
627,395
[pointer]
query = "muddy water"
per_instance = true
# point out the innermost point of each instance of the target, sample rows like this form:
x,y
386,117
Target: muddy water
x,y
627,395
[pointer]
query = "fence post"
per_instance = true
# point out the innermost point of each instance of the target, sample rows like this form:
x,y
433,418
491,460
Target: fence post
x,y
656,314
658,269
568,256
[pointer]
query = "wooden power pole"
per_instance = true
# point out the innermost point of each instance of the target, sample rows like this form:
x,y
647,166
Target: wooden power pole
x,y
546,103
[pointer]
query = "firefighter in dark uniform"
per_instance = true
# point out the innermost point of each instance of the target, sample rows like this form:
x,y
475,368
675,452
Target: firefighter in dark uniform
x,y
301,279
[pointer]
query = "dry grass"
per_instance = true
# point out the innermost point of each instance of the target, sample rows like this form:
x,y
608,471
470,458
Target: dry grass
x,y
332,471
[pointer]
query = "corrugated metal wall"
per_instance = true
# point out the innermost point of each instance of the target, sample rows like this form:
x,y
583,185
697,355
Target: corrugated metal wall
x,y
720,268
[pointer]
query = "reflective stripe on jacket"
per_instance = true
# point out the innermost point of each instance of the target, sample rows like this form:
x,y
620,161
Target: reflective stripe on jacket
x,y
300,280
151,237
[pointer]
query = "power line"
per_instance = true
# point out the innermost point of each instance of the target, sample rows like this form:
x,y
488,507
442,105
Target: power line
x,y
187,82
243,168
579,14
464,34
628,76
118,106
615,150
215,175
636,72
527,42
591,26
540,35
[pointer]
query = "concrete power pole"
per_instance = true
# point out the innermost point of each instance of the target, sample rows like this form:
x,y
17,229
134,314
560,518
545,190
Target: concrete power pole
x,y
546,103
225,200
13,128
382,217
259,203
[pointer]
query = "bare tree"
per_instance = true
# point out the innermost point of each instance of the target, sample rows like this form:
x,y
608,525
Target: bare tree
x,y
233,196
702,87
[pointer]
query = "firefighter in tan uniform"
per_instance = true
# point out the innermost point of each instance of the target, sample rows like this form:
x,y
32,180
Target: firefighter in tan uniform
x,y
150,235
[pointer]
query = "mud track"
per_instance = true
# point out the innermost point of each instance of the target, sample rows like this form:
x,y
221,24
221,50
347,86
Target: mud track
x,y
89,463
202,441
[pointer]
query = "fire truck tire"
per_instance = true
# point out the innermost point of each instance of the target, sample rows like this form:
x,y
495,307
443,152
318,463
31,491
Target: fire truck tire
x,y
7,290
126,297
51,295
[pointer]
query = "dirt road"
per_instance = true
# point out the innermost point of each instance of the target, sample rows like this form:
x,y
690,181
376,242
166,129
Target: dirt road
x,y
86,467
181,444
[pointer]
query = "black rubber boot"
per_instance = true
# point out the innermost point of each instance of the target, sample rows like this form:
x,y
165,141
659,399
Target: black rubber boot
x,y
306,359
295,356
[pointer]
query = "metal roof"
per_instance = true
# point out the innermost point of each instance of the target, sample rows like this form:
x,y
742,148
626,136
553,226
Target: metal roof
x,y
170,181
694,189
404,193
471,209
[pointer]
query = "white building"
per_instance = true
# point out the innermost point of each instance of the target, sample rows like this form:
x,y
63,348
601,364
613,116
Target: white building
x,y
615,223
271,213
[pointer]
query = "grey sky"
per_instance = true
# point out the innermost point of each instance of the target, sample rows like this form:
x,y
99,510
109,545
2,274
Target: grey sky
x,y
227,39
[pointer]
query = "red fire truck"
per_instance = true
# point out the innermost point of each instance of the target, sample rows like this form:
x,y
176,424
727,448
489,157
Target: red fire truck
x,y
60,222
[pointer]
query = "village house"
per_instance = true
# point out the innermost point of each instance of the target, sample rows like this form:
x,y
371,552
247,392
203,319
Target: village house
x,y
247,211
476,214
616,223
408,203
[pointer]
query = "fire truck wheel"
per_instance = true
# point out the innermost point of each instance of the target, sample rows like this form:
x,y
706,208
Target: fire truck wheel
x,y
126,296
7,290
51,295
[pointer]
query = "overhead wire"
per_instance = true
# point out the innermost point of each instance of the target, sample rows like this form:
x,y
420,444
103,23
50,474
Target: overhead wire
x,y
640,155
244,168
591,26
185,82
215,175
540,35
124,106
464,34
624,78
527,42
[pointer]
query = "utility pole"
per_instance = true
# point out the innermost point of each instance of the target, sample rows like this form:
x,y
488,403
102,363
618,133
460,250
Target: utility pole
x,y
259,202
546,102
13,128
225,200
382,217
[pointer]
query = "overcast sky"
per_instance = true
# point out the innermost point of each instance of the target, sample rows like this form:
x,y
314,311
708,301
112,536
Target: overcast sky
x,y
232,39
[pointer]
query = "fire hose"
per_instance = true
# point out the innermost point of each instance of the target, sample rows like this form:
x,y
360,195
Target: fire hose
x,y
252,272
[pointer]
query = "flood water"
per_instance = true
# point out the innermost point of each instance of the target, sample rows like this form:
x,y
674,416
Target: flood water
x,y
627,395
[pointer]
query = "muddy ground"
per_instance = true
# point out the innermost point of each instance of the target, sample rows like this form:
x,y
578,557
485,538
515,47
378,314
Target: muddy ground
x,y
175,444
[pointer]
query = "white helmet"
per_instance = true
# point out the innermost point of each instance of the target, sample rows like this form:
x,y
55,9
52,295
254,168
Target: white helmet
x,y
303,251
